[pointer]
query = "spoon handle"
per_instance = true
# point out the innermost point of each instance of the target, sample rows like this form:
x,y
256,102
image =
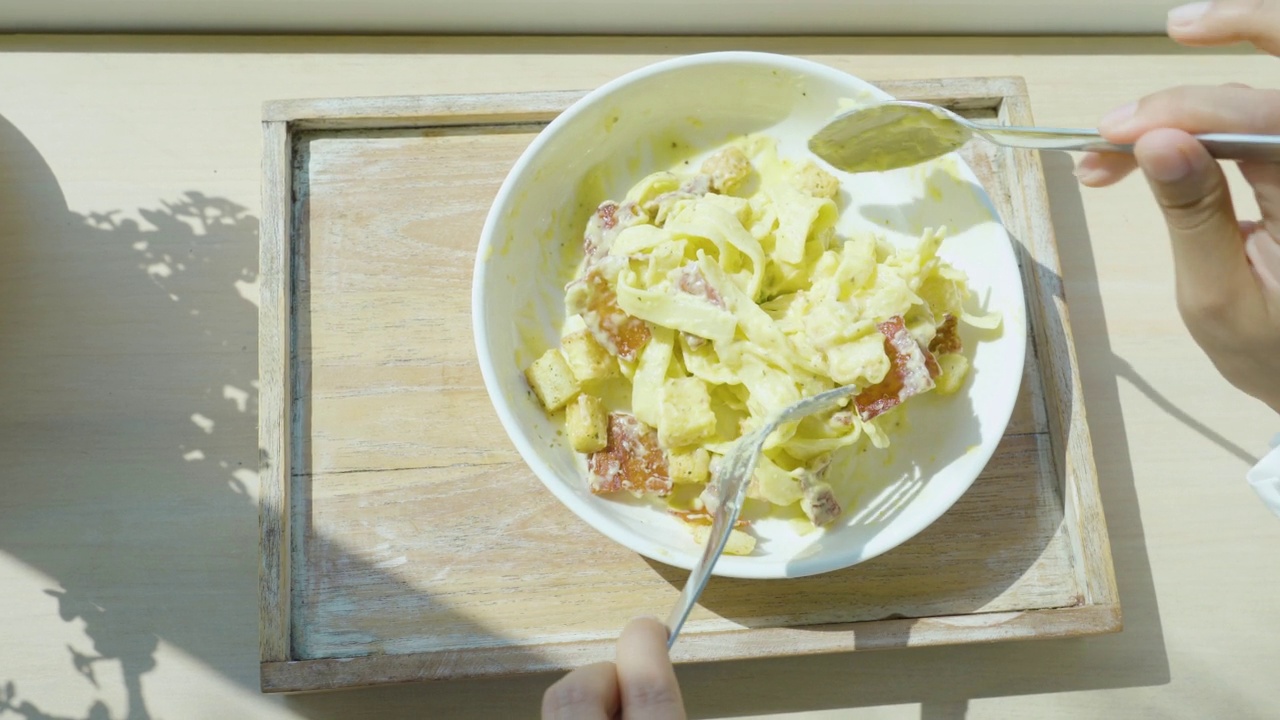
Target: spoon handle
x,y
1224,146
1228,146
1046,138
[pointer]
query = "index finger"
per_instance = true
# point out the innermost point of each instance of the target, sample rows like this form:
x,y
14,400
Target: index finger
x,y
1196,109
1223,22
646,678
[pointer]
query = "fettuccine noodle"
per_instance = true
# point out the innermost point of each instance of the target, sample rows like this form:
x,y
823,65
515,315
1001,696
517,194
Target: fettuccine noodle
x,y
707,302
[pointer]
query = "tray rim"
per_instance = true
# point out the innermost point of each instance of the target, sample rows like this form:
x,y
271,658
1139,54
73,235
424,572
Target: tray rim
x,y
1098,613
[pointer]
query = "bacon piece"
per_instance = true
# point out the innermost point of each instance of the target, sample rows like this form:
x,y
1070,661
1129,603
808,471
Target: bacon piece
x,y
593,295
605,218
702,517
698,185
608,214
693,188
691,281
947,339
604,225
594,298
631,460
931,364
842,419
909,371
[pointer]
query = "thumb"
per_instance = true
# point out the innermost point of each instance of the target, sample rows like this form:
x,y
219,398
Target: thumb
x,y
646,679
1223,22
1188,184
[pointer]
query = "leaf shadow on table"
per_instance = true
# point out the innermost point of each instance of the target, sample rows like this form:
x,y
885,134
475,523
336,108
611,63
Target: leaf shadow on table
x,y
133,335
191,424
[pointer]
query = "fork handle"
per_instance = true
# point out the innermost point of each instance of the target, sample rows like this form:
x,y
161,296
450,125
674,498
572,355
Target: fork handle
x,y
1224,146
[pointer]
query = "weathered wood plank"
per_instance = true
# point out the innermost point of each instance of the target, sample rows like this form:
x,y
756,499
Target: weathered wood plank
x,y
399,577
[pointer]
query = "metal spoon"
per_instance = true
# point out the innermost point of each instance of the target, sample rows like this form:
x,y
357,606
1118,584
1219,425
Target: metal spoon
x,y
901,133
733,475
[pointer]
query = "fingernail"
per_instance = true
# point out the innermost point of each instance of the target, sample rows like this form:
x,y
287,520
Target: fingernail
x,y
1264,254
1189,14
1169,167
1087,175
1117,117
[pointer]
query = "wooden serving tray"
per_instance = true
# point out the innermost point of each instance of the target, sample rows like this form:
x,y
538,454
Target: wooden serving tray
x,y
403,538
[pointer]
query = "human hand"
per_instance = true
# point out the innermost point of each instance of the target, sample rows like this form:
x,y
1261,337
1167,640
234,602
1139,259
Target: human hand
x,y
1227,272
641,685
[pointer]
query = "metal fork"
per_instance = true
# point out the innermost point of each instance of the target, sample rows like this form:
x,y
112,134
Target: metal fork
x,y
732,477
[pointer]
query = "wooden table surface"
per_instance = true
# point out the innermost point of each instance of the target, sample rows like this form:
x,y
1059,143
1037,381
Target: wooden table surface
x,y
129,204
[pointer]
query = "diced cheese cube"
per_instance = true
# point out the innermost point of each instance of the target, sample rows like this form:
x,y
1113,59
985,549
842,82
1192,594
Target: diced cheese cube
x,y
954,368
689,467
587,357
587,423
685,416
739,543
815,181
727,168
552,380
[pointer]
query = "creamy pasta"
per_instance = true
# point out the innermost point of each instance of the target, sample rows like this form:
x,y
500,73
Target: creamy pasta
x,y
706,302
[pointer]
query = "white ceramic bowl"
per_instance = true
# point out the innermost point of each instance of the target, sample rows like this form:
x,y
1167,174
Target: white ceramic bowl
x,y
617,132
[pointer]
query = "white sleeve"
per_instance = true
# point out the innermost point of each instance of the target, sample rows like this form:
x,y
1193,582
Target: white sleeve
x,y
1265,477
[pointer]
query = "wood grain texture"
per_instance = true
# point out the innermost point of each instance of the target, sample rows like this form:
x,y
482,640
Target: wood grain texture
x,y
334,673
395,574
407,567
382,113
1064,393
274,361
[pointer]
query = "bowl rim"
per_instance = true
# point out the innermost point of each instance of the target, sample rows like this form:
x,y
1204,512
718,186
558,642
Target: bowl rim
x,y
585,511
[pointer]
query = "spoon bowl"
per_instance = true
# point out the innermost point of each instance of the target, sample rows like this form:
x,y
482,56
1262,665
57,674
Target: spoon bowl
x,y
901,133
